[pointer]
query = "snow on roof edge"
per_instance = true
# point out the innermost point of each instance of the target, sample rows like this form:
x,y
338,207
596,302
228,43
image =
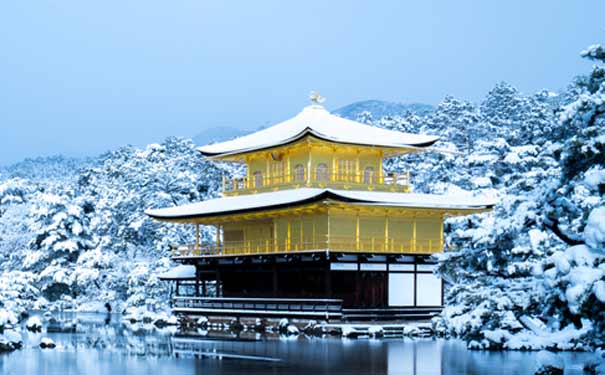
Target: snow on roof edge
x,y
285,198
309,131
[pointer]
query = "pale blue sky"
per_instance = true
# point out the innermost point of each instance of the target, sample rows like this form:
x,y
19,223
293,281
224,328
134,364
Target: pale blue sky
x,y
80,77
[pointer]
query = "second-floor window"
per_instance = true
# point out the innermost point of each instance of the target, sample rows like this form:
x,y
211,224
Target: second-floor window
x,y
369,175
258,179
322,172
299,173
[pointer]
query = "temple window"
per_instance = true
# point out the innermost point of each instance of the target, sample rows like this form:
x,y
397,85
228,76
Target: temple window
x,y
299,173
258,179
322,172
369,177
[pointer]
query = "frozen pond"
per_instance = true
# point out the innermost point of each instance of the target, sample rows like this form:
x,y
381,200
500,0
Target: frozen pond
x,y
104,345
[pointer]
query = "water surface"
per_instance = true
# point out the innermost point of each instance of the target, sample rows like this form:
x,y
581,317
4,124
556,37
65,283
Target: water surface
x,y
104,345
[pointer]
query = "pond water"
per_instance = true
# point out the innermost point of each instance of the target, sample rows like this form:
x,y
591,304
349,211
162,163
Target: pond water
x,y
104,345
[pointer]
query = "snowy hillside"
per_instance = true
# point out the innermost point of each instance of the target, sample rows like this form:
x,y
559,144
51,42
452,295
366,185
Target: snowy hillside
x,y
531,275
380,108
217,134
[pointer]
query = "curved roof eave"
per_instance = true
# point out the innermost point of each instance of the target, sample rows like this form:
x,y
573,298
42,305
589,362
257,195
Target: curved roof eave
x,y
322,194
310,131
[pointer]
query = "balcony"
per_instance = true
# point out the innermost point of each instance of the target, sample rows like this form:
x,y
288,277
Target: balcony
x,y
319,178
376,245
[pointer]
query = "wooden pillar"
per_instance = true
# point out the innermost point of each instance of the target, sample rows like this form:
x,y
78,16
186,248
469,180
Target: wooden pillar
x,y
309,169
287,171
441,233
380,171
357,239
314,235
357,175
218,238
249,182
224,183
275,236
301,244
289,236
268,176
414,234
329,234
178,291
334,166
386,233
204,293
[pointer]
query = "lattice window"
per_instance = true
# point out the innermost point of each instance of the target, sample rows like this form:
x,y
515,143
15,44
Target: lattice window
x,y
322,172
299,173
258,179
369,175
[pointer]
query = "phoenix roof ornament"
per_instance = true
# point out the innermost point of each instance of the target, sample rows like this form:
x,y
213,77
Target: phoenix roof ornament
x,y
316,97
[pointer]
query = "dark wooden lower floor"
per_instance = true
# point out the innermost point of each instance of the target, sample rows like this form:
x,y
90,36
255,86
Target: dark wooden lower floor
x,y
360,281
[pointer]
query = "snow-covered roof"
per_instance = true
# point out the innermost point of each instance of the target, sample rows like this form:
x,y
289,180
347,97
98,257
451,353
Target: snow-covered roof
x,y
284,198
179,272
317,121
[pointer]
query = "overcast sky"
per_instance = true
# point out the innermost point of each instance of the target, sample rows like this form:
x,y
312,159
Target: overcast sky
x,y
80,77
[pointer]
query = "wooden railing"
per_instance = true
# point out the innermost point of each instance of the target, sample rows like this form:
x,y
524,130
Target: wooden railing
x,y
344,244
259,306
398,182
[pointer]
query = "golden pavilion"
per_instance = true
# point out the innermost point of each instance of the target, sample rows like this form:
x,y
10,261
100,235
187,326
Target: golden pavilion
x,y
315,227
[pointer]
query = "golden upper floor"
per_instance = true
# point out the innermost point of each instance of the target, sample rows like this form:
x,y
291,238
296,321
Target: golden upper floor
x,y
317,149
311,162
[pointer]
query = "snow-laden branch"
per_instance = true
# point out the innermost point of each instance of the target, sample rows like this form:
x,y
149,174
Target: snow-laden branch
x,y
552,223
